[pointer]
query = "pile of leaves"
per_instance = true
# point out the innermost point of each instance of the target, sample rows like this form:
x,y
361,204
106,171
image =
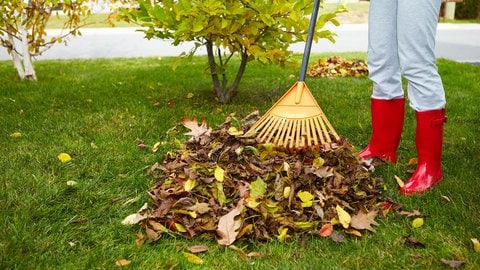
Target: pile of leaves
x,y
336,66
222,183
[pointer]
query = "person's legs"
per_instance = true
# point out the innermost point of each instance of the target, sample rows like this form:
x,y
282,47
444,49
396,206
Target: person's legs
x,y
387,100
383,60
416,29
417,23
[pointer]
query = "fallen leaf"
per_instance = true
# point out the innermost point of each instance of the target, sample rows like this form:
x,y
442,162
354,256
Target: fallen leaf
x,y
412,161
196,130
354,232
71,183
445,198
228,225
155,147
364,221
234,131
452,263
282,234
240,252
257,188
16,135
286,192
326,230
414,213
192,258
198,249
122,262
476,244
219,174
64,157
343,216
399,181
133,219
190,95
337,237
189,184
412,242
180,227
137,217
255,254
417,223
306,198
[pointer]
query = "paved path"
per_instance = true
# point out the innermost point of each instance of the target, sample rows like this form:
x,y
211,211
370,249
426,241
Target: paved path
x,y
459,42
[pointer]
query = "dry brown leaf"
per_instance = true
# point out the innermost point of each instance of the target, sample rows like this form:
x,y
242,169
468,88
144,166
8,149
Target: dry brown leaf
x,y
196,130
452,263
198,249
228,226
364,221
122,262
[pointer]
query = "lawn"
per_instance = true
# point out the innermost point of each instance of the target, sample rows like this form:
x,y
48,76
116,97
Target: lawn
x,y
98,110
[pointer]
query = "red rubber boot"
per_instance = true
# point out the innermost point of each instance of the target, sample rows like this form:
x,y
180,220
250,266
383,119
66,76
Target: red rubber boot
x,y
387,125
429,141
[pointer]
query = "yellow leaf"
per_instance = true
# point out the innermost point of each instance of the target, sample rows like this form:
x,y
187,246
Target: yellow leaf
x,y
189,184
71,183
234,131
305,196
343,216
64,157
318,162
180,227
304,225
192,258
418,222
251,202
122,262
307,204
399,181
476,244
16,135
155,147
190,95
219,174
282,234
354,232
286,192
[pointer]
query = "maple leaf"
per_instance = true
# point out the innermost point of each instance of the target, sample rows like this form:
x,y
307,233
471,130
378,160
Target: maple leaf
x,y
362,221
228,226
196,131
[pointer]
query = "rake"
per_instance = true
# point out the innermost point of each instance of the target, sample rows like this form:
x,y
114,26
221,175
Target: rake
x,y
296,122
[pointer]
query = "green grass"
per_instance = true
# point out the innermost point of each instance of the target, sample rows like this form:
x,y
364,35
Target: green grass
x,y
95,110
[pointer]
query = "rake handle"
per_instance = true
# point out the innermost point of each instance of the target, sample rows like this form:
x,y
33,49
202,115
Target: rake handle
x,y
308,43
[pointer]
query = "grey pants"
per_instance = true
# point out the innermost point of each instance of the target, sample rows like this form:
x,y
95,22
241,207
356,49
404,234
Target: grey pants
x,y
401,41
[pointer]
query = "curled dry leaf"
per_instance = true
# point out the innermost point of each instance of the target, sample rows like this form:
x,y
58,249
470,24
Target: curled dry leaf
x,y
122,262
198,249
452,263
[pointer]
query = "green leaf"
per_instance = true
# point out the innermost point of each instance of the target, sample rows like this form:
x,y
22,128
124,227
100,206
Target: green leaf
x,y
257,188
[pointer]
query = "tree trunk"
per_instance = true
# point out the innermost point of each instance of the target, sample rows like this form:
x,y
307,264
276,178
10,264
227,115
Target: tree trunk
x,y
213,68
27,57
232,91
17,61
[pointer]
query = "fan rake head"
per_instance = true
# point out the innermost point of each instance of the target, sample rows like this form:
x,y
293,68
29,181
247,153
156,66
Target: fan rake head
x,y
296,123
